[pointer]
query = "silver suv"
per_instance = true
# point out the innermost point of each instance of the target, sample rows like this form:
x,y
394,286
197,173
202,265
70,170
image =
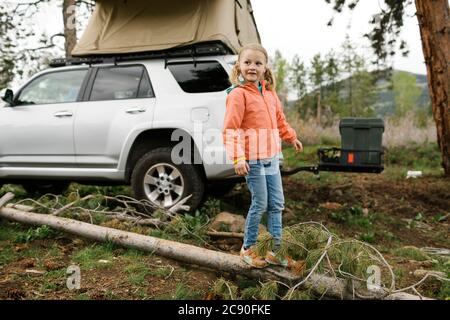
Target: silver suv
x,y
121,121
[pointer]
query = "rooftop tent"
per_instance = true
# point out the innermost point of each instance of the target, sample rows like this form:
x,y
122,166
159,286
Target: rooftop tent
x,y
130,26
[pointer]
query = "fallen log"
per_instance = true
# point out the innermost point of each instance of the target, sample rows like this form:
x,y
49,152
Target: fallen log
x,y
335,288
221,234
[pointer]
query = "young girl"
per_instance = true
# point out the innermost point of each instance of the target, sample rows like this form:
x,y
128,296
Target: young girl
x,y
254,123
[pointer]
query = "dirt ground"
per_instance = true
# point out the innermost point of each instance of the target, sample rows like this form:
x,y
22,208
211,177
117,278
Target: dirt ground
x,y
400,213
395,202
109,282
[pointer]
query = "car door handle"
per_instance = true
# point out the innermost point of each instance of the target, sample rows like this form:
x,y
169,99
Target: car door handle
x,y
135,110
62,114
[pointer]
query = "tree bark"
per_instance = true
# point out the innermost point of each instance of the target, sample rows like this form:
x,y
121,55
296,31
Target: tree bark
x,y
319,106
434,23
335,288
70,31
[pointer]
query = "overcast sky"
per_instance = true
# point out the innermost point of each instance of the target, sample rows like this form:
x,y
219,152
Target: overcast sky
x,y
300,27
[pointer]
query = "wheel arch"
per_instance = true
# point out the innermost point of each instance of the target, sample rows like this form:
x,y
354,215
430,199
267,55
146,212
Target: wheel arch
x,y
153,139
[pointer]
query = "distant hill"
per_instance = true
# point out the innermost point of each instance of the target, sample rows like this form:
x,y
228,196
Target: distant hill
x,y
385,104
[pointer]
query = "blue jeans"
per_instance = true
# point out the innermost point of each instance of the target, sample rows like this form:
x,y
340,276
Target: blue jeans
x,y
264,183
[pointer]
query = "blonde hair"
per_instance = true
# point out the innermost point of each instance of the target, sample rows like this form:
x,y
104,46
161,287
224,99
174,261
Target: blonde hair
x,y
268,75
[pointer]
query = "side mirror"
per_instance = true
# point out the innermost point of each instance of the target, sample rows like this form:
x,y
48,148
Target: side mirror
x,y
8,97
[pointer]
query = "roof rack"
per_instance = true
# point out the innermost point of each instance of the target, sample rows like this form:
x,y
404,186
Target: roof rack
x,y
193,51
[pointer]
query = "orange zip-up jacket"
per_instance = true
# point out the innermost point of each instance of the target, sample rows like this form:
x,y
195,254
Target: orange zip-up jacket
x,y
254,123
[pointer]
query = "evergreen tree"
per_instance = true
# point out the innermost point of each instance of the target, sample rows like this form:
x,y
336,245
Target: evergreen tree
x,y
280,68
406,92
317,77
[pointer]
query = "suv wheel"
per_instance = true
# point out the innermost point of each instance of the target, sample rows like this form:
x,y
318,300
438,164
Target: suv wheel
x,y
157,179
41,188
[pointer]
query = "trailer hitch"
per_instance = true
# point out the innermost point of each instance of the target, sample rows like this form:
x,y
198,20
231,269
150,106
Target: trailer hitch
x,y
313,169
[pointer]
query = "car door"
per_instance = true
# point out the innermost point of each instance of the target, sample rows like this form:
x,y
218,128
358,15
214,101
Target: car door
x,y
38,129
204,84
119,99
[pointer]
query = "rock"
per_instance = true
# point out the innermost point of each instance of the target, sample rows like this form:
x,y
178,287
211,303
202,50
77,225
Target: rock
x,y
228,222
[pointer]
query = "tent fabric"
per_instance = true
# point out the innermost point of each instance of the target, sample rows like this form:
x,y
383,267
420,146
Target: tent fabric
x,y
130,26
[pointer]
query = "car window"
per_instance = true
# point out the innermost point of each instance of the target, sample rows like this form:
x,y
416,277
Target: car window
x,y
204,76
145,88
115,83
55,87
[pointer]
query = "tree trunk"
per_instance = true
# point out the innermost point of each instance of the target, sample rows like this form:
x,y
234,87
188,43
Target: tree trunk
x,y
335,288
434,23
319,107
70,30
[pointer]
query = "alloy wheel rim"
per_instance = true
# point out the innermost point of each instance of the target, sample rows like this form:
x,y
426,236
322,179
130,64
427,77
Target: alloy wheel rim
x,y
163,185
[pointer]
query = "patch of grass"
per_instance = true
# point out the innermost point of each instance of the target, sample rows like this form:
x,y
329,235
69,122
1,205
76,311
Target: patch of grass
x,y
399,274
135,253
18,191
224,289
7,255
157,233
211,207
42,232
308,156
88,258
411,253
368,237
182,292
82,296
112,191
54,251
301,295
269,290
161,272
251,293
387,235
34,252
443,265
59,274
99,218
354,216
48,286
190,227
137,273
440,217
415,156
141,293
8,230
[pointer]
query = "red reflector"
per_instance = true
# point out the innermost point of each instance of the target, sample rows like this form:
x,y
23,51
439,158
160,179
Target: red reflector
x,y
350,158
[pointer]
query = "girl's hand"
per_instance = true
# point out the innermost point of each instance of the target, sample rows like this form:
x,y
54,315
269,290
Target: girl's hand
x,y
298,145
242,168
